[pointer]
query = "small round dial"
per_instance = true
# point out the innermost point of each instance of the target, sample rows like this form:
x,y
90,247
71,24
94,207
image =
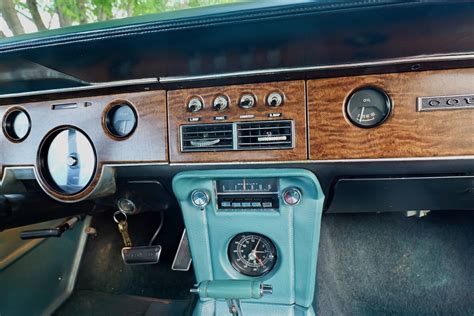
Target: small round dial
x,y
195,105
368,107
274,99
220,103
121,120
252,254
17,125
247,101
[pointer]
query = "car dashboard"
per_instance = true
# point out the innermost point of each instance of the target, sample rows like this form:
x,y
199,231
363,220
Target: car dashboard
x,y
243,135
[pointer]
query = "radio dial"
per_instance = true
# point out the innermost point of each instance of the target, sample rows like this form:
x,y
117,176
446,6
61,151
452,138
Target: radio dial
x,y
199,198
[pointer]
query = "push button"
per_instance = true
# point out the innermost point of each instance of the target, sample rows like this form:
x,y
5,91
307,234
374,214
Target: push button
x,y
267,204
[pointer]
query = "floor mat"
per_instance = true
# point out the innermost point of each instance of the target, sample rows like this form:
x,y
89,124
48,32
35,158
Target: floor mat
x,y
390,264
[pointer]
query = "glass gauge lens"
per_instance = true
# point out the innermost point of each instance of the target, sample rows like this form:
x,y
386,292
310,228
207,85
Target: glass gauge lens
x,y
69,161
17,125
121,120
368,107
266,185
252,254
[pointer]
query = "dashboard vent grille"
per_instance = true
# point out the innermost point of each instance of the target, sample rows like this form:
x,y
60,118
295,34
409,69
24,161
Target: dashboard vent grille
x,y
207,137
265,135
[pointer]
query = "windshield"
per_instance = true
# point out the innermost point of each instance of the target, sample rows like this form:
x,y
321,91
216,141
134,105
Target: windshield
x,y
20,17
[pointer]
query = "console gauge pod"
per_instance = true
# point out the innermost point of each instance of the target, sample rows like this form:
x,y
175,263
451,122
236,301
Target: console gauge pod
x,y
252,254
67,161
368,107
121,120
16,125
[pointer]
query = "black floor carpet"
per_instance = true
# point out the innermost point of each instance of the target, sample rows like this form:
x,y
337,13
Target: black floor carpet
x,y
103,270
373,264
92,303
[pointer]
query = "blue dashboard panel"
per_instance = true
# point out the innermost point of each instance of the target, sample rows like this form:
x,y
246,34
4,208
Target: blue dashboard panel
x,y
294,230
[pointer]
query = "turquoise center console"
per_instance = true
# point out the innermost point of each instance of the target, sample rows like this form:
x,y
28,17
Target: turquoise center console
x,y
254,237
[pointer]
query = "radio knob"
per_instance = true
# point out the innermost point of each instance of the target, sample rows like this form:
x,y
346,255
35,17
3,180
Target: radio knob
x,y
247,101
274,99
195,105
220,103
292,196
199,198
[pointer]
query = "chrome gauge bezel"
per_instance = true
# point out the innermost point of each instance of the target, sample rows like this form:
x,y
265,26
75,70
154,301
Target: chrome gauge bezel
x,y
107,119
46,179
8,121
388,104
242,237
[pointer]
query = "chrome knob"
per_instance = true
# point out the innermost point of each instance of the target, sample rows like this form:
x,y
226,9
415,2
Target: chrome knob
x,y
195,105
199,198
292,196
220,103
126,206
247,101
274,99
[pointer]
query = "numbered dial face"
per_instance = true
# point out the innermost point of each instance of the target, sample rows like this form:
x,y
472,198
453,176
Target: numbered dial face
x,y
252,254
368,107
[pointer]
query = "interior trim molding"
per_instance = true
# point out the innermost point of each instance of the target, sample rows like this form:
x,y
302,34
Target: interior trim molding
x,y
277,71
91,86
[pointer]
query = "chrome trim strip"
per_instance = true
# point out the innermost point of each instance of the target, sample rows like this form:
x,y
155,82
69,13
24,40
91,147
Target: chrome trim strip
x,y
92,86
323,161
273,71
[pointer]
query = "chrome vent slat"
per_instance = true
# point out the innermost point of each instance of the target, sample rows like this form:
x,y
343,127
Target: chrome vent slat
x,y
207,137
262,135
265,135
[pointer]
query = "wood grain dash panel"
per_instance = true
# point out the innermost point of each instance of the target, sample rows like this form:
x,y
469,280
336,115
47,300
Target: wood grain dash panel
x,y
406,133
294,108
147,144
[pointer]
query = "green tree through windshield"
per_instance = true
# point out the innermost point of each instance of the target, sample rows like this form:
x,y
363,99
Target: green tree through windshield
x,y
28,16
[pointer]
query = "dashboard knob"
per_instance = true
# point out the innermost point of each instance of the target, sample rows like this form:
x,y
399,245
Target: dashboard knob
x,y
247,101
292,196
274,99
199,198
195,105
220,103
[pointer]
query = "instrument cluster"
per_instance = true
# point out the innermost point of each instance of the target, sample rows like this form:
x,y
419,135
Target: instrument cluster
x,y
73,145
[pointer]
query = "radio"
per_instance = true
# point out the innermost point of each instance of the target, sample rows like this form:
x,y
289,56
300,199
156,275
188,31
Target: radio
x,y
247,194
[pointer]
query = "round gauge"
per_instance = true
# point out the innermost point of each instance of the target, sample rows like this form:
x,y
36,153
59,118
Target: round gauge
x,y
121,120
368,107
17,125
68,161
252,254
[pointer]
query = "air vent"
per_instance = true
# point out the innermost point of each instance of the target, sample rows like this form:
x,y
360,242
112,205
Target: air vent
x,y
265,135
206,137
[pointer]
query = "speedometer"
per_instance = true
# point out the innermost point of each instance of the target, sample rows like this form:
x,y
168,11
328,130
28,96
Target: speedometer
x,y
252,254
